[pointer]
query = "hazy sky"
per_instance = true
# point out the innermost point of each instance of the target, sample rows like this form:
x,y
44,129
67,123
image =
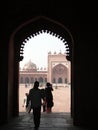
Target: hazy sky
x,y
37,48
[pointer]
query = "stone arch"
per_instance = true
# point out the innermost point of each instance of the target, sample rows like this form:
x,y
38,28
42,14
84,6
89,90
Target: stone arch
x,y
59,80
59,73
18,38
32,80
21,80
39,25
27,80
40,79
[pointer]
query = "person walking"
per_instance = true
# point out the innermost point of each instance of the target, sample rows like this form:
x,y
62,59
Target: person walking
x,y
25,100
36,97
49,97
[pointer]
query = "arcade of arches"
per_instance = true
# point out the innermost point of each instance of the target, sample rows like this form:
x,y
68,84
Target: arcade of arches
x,y
57,72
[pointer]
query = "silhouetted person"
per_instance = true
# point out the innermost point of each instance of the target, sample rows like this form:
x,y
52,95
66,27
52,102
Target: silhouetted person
x,y
35,96
49,97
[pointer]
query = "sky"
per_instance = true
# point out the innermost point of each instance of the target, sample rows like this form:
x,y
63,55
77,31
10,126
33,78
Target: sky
x,y
37,48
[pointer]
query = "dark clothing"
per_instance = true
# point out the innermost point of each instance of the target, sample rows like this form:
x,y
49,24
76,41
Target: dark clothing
x,y
36,116
36,96
49,98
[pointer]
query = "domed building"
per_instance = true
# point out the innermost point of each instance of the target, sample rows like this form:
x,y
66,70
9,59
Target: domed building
x,y
57,72
29,66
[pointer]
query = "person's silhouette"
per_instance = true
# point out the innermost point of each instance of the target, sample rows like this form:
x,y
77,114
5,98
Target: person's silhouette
x,y
35,96
49,97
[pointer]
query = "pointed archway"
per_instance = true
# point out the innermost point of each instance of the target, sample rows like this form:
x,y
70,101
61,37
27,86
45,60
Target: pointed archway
x,y
25,31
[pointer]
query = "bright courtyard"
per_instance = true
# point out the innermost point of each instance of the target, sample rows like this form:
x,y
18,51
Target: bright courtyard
x,y
61,96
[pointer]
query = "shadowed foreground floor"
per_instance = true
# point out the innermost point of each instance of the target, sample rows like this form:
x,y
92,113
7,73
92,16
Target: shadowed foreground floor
x,y
59,119
52,121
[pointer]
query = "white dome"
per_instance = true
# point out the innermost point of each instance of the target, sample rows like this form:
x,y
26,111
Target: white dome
x,y
29,66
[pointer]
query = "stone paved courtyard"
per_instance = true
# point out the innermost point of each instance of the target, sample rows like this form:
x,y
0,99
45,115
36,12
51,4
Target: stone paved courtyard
x,y
59,119
61,97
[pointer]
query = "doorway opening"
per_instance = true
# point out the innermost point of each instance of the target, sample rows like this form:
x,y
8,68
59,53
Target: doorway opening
x,y
45,61
19,38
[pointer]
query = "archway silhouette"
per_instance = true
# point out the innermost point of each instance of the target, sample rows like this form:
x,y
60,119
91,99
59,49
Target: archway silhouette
x,y
42,46
26,30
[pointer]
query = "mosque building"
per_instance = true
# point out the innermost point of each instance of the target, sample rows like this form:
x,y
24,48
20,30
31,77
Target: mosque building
x,y
57,71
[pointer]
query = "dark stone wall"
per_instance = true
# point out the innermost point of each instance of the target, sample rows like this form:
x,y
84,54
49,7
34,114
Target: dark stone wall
x,y
81,20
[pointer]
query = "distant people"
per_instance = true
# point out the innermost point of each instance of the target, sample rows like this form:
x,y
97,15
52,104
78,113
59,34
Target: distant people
x,y
28,109
25,100
36,96
49,97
